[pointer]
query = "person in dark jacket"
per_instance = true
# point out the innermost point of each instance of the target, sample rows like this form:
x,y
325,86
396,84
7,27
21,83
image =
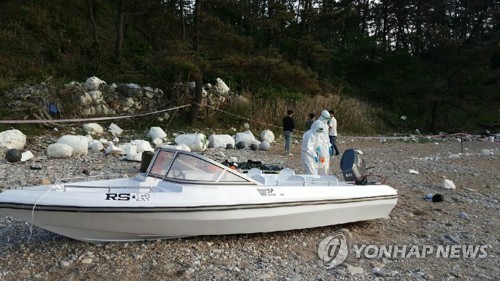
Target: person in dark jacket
x,y
312,118
288,127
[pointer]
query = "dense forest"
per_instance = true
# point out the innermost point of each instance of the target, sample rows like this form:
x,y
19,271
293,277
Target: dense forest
x,y
436,62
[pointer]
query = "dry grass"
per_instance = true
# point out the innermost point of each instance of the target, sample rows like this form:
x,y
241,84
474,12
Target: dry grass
x,y
353,116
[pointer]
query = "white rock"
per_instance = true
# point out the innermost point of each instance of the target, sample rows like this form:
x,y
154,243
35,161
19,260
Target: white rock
x,y
355,270
220,141
156,132
128,148
177,147
114,129
240,99
27,155
413,172
195,142
264,145
96,97
93,83
133,149
221,87
87,260
448,184
93,129
129,102
80,144
65,264
157,142
85,99
113,150
137,157
134,86
142,145
59,150
89,139
96,145
267,135
247,137
487,152
12,139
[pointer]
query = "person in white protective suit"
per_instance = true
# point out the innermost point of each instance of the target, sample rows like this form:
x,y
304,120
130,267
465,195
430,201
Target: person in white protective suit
x,y
312,154
324,145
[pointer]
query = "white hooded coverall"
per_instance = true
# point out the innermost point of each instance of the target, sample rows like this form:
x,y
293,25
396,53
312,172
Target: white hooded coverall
x,y
314,154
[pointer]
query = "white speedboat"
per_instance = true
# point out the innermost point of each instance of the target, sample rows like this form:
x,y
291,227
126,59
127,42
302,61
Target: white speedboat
x,y
186,194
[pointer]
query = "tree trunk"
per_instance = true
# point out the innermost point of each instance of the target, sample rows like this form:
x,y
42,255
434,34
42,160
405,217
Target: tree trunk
x,y
93,6
198,90
119,30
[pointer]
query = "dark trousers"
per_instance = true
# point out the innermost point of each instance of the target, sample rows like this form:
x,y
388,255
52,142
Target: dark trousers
x,y
333,142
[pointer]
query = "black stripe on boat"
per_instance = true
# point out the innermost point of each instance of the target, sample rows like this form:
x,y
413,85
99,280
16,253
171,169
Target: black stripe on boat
x,y
61,208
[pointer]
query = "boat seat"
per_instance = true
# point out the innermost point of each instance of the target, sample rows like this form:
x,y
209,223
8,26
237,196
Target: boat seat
x,y
313,180
329,178
259,178
296,178
254,172
284,174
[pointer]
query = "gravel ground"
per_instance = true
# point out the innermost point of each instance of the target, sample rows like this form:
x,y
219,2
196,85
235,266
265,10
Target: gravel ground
x,y
469,215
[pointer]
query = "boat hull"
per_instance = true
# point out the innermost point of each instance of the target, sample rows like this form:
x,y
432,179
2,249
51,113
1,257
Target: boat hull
x,y
132,224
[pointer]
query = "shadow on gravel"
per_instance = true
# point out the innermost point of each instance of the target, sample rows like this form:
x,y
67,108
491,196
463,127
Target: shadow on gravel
x,y
14,233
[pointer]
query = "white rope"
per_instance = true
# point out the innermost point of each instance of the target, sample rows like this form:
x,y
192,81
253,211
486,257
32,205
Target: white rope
x,y
239,116
33,213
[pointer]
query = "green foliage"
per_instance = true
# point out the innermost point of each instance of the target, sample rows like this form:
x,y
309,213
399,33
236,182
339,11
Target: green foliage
x,y
442,72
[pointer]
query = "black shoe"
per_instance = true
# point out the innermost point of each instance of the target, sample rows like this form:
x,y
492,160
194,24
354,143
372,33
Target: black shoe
x,y
337,153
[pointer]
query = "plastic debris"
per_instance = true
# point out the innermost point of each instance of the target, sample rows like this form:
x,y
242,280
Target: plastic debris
x,y
448,184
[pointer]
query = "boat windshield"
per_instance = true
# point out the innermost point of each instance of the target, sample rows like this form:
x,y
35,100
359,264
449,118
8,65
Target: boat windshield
x,y
188,167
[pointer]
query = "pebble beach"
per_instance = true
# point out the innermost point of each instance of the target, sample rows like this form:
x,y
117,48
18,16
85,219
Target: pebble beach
x,y
468,216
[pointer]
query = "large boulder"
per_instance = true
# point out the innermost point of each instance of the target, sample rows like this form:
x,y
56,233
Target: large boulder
x,y
93,129
79,144
195,142
13,155
220,141
115,130
247,137
96,145
12,139
177,147
221,87
59,150
142,145
264,145
93,83
156,132
267,135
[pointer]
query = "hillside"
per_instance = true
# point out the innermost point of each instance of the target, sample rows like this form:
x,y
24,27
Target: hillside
x,y
435,66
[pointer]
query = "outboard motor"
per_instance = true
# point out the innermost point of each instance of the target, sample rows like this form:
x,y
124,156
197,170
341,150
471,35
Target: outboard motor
x,y
353,167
